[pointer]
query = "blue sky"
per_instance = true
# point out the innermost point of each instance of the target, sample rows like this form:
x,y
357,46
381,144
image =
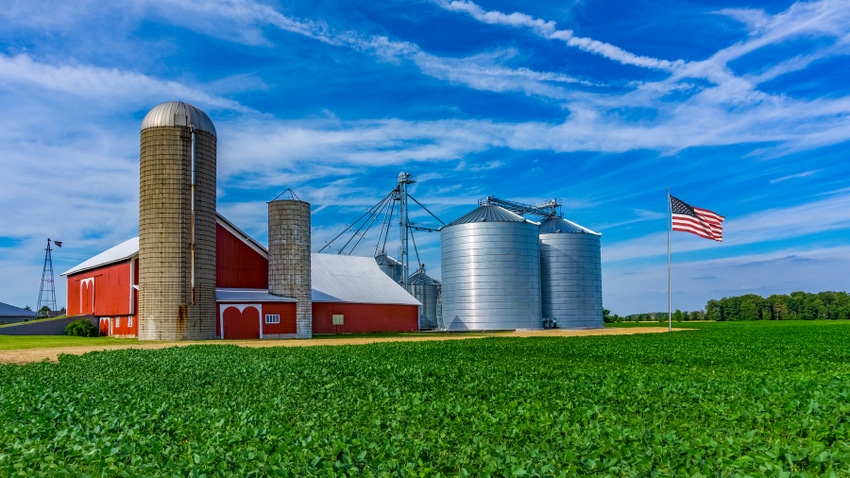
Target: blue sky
x,y
738,107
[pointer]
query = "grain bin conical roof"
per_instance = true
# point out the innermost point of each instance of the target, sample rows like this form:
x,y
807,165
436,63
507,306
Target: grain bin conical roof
x,y
421,278
558,225
488,213
178,113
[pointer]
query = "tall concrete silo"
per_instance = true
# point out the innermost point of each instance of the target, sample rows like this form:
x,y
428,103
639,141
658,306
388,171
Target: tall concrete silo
x,y
570,274
289,259
177,224
490,271
427,291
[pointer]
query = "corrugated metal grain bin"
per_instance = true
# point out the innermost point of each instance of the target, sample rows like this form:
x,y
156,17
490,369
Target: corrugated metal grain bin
x,y
570,274
389,266
426,290
177,224
490,271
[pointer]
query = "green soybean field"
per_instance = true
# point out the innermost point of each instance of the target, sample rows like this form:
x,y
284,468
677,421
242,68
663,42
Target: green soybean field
x,y
725,399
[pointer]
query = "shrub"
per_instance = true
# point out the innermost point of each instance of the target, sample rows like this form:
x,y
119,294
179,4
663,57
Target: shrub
x,y
81,328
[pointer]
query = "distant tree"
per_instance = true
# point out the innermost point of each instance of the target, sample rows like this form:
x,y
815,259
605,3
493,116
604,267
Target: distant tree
x,y
779,307
714,310
26,307
44,311
677,316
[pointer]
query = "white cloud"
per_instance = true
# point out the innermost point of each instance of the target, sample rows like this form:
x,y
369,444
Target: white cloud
x,y
804,174
547,29
102,84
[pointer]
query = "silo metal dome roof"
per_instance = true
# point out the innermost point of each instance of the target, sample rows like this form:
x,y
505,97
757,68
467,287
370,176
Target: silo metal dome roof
x,y
488,213
556,225
384,260
178,113
421,278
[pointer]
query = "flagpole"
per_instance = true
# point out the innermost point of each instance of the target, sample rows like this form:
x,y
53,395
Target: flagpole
x,y
669,287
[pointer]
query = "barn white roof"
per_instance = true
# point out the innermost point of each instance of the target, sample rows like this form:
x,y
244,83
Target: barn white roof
x,y
356,280
121,252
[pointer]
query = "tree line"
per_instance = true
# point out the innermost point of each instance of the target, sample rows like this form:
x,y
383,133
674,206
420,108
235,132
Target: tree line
x,y
796,306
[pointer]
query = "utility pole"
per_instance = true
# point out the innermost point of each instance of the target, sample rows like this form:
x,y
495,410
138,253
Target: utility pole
x,y
47,292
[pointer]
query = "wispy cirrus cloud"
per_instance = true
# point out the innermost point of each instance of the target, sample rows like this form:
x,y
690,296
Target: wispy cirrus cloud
x,y
804,174
103,84
549,30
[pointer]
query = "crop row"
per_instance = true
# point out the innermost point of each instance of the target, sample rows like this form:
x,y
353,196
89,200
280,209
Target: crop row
x,y
724,400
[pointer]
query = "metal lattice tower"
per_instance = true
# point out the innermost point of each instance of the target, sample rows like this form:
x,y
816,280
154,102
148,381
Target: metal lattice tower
x,y
551,208
47,292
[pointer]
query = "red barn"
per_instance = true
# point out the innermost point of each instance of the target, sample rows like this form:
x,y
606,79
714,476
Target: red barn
x,y
350,294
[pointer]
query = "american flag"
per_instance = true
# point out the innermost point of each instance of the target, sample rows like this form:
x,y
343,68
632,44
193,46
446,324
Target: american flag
x,y
701,222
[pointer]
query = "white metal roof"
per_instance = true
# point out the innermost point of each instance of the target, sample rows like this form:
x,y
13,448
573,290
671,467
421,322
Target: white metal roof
x,y
249,295
8,310
178,113
121,252
355,279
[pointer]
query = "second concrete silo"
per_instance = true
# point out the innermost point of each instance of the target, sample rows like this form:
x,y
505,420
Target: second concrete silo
x,y
490,271
177,221
289,259
570,274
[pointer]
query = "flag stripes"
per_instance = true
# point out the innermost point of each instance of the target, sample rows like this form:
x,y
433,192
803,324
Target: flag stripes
x,y
695,220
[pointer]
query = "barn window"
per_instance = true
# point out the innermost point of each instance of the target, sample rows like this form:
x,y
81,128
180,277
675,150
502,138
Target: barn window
x,y
272,318
130,322
117,321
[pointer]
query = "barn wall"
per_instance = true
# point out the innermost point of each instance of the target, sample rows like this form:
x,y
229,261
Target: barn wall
x,y
237,264
287,312
103,291
365,318
241,321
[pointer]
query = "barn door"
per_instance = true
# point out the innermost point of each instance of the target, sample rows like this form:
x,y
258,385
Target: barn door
x,y
241,322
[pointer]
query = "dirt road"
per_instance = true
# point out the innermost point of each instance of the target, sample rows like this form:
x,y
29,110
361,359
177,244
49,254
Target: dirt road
x,y
52,354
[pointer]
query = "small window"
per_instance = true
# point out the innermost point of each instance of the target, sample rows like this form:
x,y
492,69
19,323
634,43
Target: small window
x,y
129,322
117,322
272,318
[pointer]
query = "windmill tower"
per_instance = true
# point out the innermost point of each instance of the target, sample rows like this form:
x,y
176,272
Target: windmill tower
x,y
47,292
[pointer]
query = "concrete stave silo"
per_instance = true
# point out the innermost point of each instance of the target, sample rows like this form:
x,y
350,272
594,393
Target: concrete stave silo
x,y
490,269
570,274
177,224
290,273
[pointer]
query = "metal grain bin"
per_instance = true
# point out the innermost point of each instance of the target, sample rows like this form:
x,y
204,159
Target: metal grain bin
x,y
389,266
570,274
177,222
491,271
426,290
290,273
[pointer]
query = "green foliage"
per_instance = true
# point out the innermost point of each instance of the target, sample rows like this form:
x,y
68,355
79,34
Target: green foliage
x,y
735,399
678,316
81,328
797,306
